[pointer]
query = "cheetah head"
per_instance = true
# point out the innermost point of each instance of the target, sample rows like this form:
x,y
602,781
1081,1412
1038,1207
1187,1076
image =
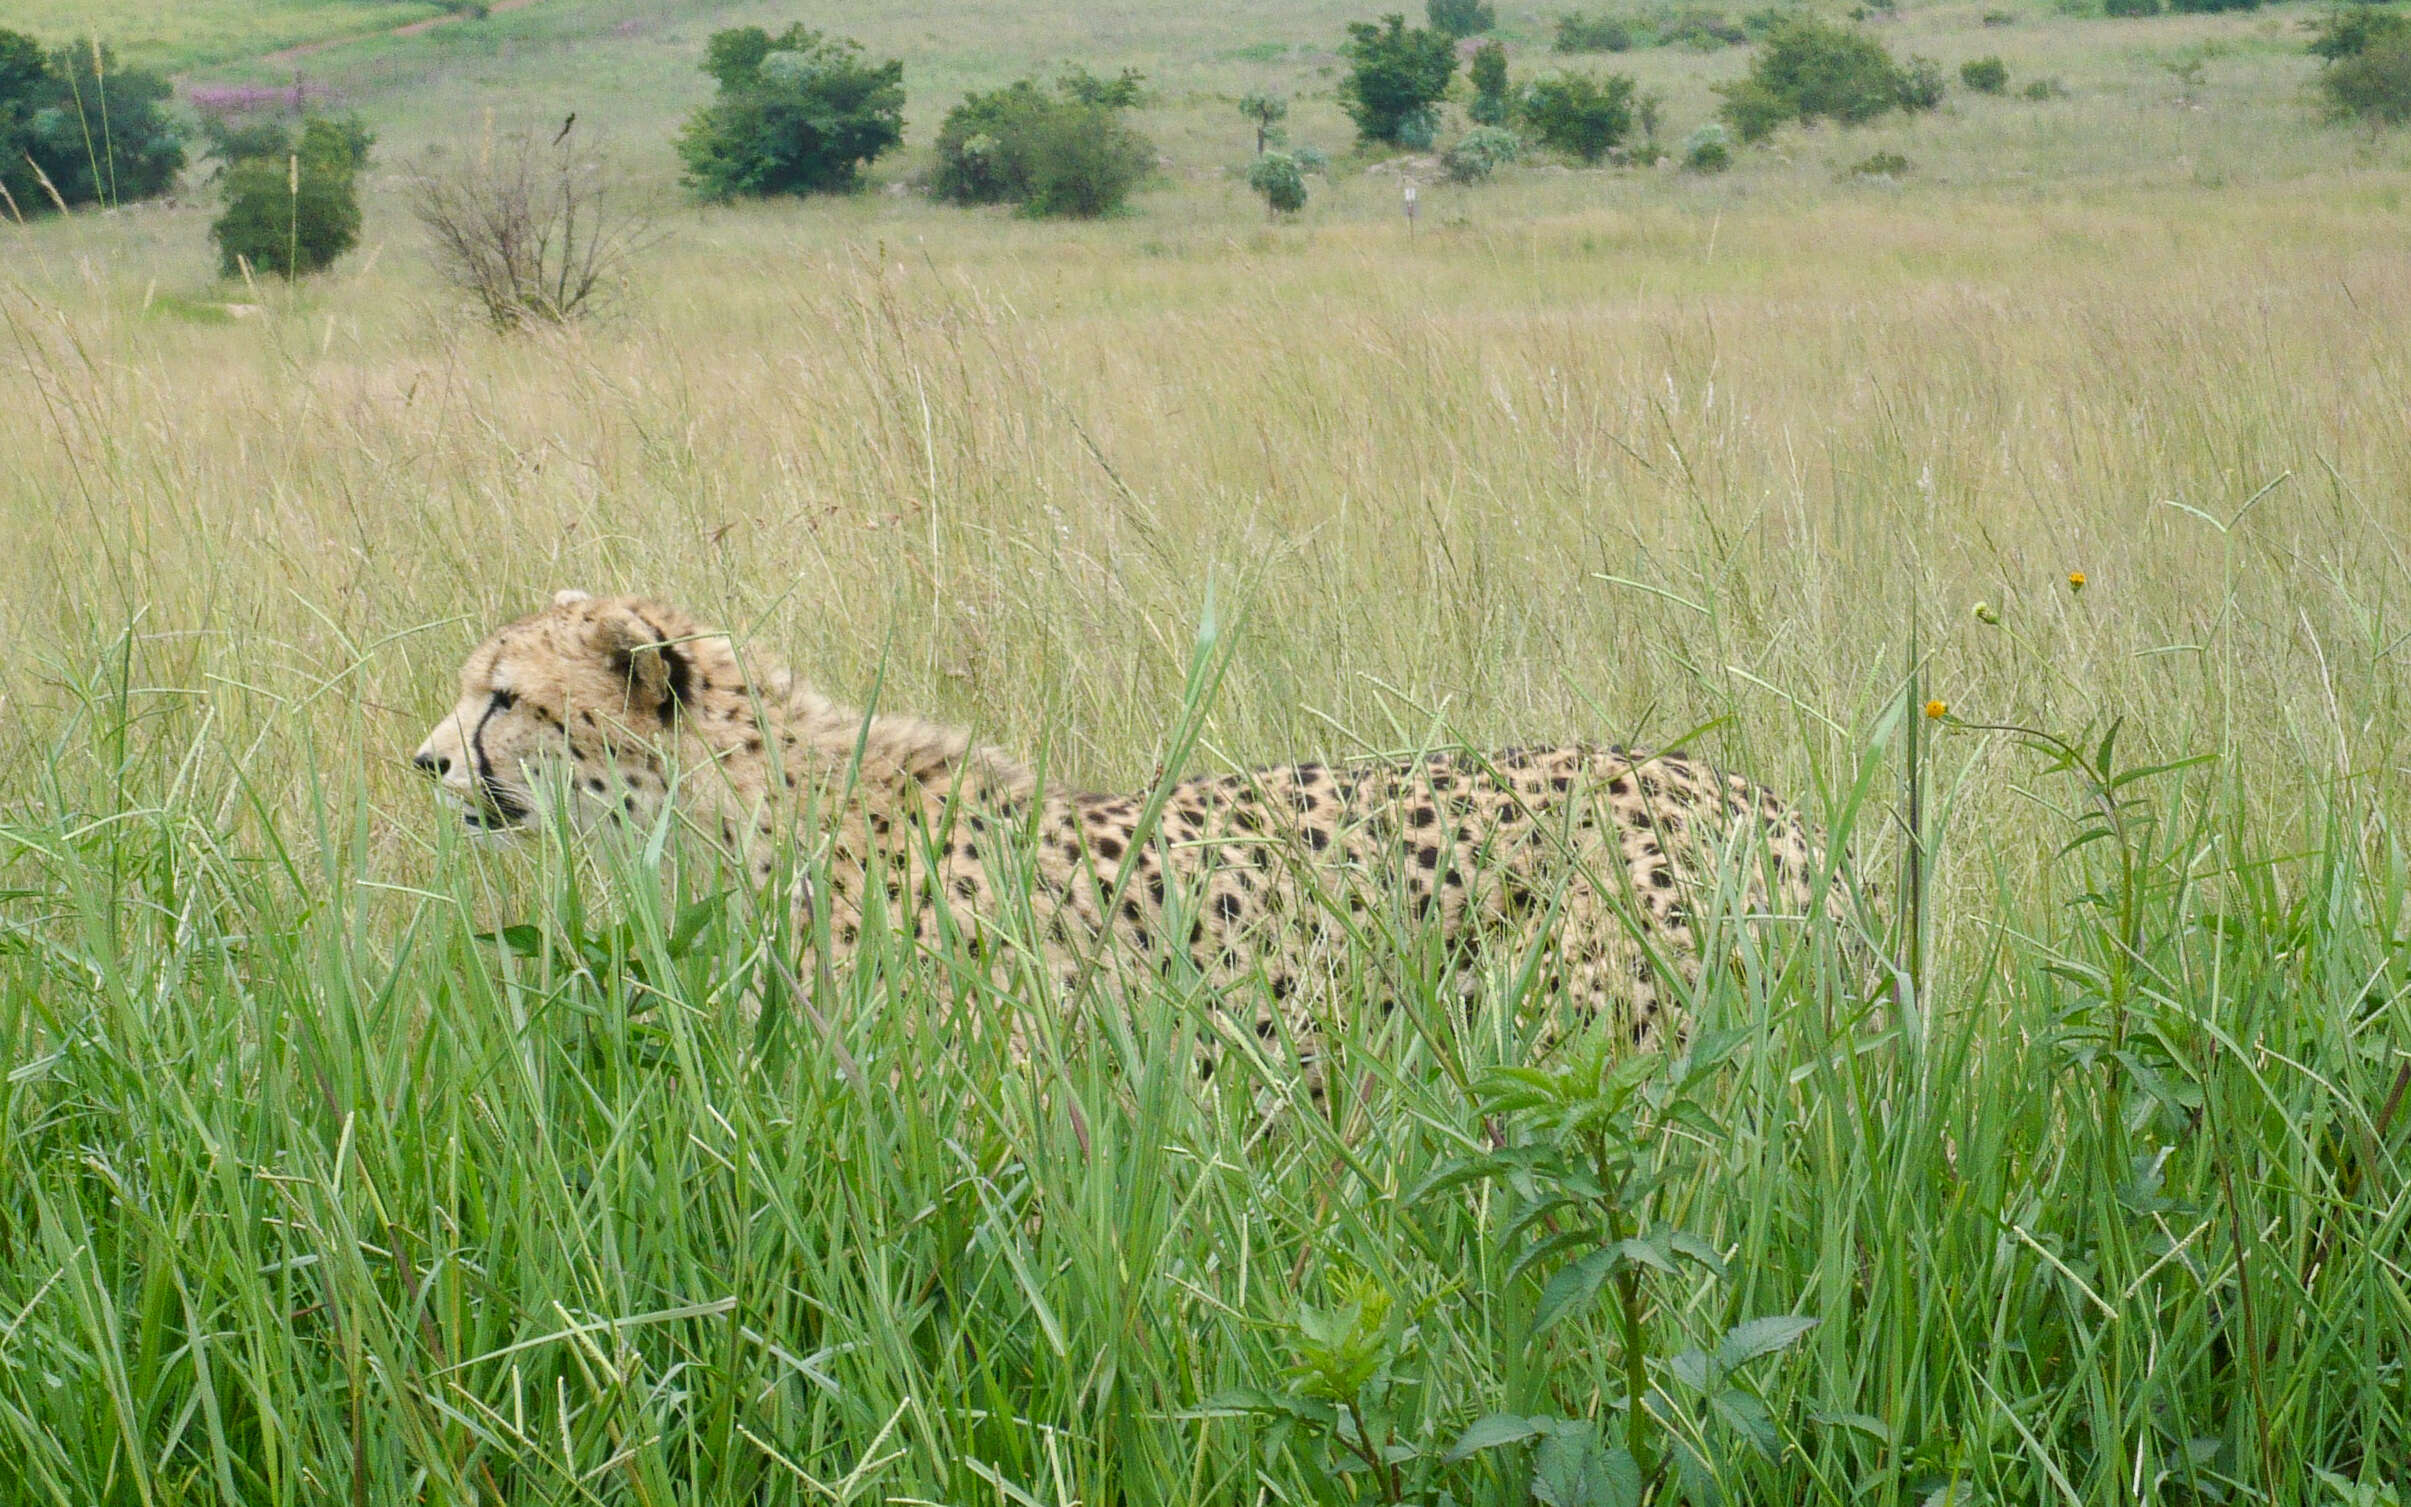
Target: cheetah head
x,y
579,698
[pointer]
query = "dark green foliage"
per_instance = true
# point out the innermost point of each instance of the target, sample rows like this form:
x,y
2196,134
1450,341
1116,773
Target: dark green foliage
x,y
296,207
1708,149
1267,111
1489,76
1985,75
1275,175
2354,29
1461,18
228,139
2045,89
1882,165
1921,85
98,132
1700,30
798,113
1810,70
1048,151
1580,33
1579,115
2130,7
1480,152
1396,75
1125,91
2212,7
2373,84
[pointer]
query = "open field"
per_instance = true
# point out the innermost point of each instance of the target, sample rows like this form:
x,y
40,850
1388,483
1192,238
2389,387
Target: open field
x,y
201,32
310,1191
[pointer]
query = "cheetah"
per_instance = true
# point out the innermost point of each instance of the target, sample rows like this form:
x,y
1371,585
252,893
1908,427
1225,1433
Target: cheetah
x,y
1586,859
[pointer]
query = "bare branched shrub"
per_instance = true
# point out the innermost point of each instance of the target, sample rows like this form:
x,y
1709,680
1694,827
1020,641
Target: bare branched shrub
x,y
536,231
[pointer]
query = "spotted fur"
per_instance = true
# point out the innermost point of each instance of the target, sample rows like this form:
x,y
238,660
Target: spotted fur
x,y
1588,860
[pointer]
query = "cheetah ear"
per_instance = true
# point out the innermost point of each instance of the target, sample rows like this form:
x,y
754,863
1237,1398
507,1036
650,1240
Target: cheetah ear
x,y
571,597
660,675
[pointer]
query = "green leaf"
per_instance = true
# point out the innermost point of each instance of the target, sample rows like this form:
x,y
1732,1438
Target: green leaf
x,y
524,940
1645,1250
1693,1369
1750,1419
1573,1469
1685,1243
1496,1430
1866,1423
691,922
1752,1338
1574,1286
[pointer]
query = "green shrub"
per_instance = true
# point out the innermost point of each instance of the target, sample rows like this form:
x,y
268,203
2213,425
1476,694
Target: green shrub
x,y
1810,70
1701,30
1579,115
93,130
2044,89
1581,33
798,113
1396,75
1921,85
1275,175
2352,30
2130,7
1882,165
1045,150
2212,7
1479,152
296,208
1708,149
1461,18
2373,84
1310,158
1985,75
1488,74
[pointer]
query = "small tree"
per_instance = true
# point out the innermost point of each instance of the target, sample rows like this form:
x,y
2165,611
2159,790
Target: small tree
x,y
1810,70
1579,115
798,113
1396,75
78,127
1048,152
1267,111
2367,70
1275,175
296,210
1985,75
1460,18
1489,76
535,231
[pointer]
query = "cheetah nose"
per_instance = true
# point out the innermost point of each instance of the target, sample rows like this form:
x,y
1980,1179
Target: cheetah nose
x,y
433,764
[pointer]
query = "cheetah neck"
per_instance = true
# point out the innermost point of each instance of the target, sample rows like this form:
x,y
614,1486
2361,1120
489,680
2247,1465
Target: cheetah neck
x,y
880,768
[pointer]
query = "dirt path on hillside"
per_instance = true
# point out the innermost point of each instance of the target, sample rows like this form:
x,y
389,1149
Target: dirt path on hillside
x,y
414,28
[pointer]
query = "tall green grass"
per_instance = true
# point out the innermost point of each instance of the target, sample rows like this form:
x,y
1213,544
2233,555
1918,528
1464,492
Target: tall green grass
x,y
321,1187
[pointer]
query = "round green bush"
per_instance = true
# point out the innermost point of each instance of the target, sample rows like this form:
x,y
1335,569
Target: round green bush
x,y
1275,175
295,211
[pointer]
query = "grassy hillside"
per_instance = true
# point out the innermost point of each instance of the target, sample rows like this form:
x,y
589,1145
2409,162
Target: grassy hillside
x,y
310,1188
200,32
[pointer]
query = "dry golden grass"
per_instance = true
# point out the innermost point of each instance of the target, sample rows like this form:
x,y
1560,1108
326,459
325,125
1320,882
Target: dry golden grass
x,y
1005,461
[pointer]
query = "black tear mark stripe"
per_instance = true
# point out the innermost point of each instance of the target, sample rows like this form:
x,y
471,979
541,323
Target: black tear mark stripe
x,y
510,806
681,673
